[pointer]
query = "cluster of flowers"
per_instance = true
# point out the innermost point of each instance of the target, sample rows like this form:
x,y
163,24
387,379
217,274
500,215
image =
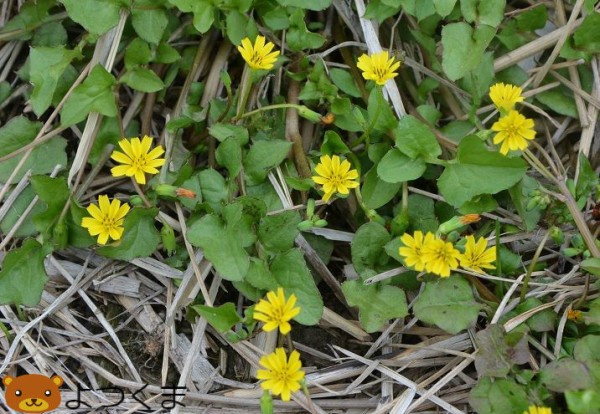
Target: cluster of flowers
x,y
334,175
432,254
282,375
513,130
136,160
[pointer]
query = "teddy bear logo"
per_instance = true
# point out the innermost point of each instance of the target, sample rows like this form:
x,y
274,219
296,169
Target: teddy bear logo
x,y
32,393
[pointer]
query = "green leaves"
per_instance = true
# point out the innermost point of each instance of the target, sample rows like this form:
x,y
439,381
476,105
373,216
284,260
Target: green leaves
x,y
498,351
478,171
17,133
264,155
396,167
376,303
278,232
367,247
291,273
498,396
458,61
142,79
222,241
96,16
489,12
204,12
298,37
306,4
222,318
23,277
586,36
415,139
448,303
95,94
148,20
140,237
46,66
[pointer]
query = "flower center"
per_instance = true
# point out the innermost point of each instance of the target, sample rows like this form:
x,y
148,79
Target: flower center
x,y
336,179
108,222
139,162
278,314
256,57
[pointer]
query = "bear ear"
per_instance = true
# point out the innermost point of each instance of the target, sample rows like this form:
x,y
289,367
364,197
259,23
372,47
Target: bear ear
x,y
58,381
7,380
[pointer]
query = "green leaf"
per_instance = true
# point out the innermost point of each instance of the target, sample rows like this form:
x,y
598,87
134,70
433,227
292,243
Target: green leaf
x,y
586,36
236,26
415,139
78,236
166,53
592,316
95,94
222,318
264,155
223,131
344,80
376,303
444,7
149,22
488,12
51,34
587,180
381,117
31,15
333,144
222,242
142,79
15,212
298,37
566,375
498,396
532,19
229,155
54,193
291,273
583,402
592,265
376,192
214,188
306,4
559,102
542,321
18,132
96,16
458,61
368,247
278,232
395,167
496,356
275,18
448,304
204,12
421,211
260,276
586,349
137,53
22,278
46,66
478,171
140,237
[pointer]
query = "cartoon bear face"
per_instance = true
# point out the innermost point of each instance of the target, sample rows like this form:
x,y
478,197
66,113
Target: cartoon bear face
x,y
32,393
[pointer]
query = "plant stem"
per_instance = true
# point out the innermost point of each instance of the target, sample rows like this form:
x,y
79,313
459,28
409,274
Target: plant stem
x,y
536,256
266,108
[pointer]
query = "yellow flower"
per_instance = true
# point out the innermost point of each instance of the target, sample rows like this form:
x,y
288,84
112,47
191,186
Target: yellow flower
x,y
137,159
574,315
282,376
412,250
440,257
259,55
513,131
335,176
505,96
378,67
107,219
476,256
276,311
538,410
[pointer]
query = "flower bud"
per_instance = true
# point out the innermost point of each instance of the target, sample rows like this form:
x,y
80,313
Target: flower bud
x,y
309,114
320,223
305,225
457,222
266,403
168,239
166,190
136,200
557,235
185,193
310,207
328,119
